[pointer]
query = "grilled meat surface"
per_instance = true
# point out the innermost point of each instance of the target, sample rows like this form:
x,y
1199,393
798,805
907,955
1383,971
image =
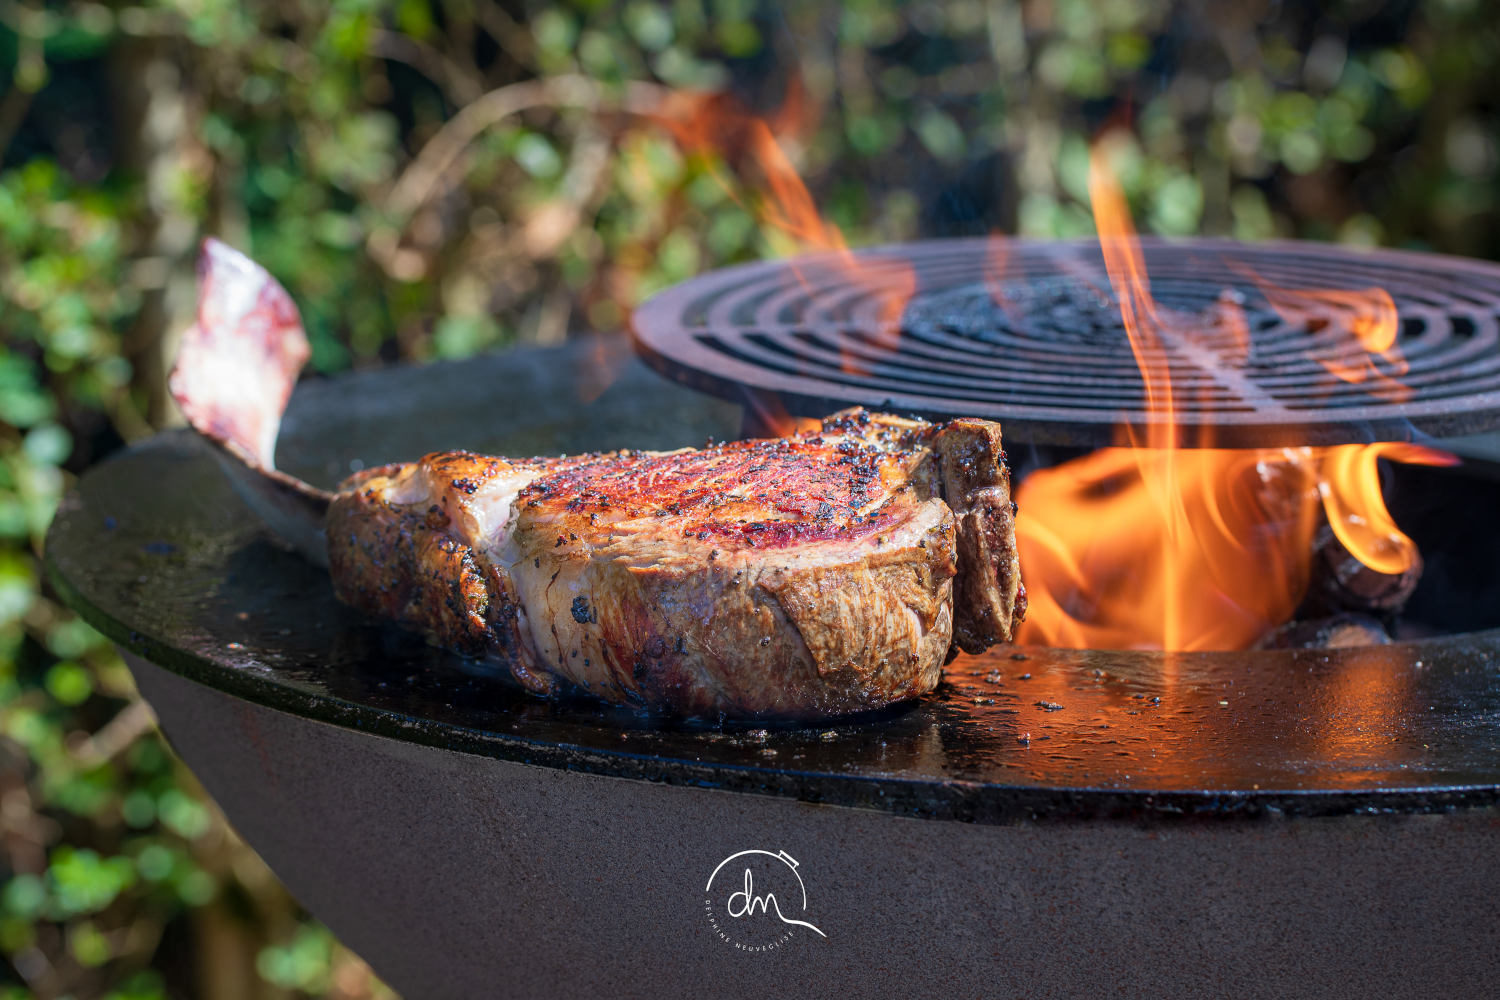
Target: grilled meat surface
x,y
829,572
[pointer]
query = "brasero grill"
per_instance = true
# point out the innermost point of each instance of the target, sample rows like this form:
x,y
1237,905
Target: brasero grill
x,y
1049,822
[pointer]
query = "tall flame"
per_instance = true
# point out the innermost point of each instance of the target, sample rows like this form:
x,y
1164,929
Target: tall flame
x,y
1159,546
715,125
1350,490
1356,326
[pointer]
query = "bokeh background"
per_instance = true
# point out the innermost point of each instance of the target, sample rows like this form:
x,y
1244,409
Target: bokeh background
x,y
434,178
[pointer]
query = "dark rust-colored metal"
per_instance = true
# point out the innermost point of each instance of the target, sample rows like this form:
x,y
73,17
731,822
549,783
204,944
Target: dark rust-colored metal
x,y
1030,334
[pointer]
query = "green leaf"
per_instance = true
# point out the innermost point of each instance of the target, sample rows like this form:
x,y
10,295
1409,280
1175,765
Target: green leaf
x,y
1177,206
464,336
197,887
183,815
69,683
83,882
555,32
649,25
1301,151
348,33
304,963
138,809
156,861
143,985
89,945
536,156
48,443
17,586
739,39
872,134
24,896
414,17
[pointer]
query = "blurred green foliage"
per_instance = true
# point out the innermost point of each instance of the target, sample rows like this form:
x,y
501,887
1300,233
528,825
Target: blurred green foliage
x,y
300,132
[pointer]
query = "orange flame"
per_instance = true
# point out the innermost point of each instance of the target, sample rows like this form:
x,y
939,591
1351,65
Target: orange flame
x,y
1350,489
1353,325
1230,315
714,126
996,257
1157,546
772,414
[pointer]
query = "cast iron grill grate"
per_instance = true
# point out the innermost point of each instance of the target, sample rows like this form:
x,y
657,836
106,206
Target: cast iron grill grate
x,y
1030,334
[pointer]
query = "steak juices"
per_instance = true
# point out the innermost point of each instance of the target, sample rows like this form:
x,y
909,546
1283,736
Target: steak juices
x,y
829,572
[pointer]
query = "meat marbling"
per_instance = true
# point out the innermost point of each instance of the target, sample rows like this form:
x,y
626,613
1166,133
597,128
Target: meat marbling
x,y
824,573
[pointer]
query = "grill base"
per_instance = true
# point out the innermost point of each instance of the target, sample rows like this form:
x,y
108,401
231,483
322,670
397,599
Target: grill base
x,y
462,876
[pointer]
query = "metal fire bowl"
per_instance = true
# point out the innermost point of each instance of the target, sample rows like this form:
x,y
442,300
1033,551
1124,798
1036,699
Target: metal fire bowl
x,y
1029,333
1280,823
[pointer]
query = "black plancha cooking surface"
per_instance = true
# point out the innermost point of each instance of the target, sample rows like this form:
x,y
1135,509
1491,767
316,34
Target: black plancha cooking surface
x,y
154,549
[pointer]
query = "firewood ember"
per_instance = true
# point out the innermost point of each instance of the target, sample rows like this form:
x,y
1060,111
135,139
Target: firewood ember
x,y
1335,632
1340,582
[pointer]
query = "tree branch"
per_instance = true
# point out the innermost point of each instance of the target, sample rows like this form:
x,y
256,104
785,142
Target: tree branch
x,y
461,86
433,167
115,736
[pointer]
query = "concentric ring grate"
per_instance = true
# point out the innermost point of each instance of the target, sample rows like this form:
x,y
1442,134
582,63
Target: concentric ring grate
x,y
1030,334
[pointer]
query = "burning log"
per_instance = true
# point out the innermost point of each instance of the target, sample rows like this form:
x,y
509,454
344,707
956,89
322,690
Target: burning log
x,y
1341,582
1335,632
1343,594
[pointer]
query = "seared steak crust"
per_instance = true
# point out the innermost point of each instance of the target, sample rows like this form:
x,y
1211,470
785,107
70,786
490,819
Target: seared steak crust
x,y
989,599
807,575
811,575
